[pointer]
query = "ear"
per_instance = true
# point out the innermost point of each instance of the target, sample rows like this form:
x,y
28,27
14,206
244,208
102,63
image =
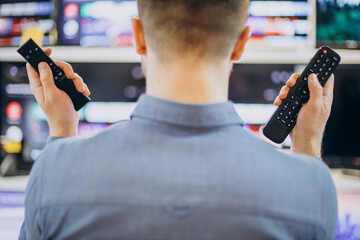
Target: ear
x,y
240,44
138,36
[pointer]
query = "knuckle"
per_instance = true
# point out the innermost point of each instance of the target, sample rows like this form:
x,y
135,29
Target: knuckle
x,y
67,65
78,76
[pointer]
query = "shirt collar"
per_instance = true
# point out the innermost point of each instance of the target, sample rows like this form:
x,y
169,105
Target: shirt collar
x,y
189,115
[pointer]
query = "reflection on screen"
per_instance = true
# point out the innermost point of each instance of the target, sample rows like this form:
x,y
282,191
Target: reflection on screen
x,y
96,23
116,87
26,17
338,23
279,23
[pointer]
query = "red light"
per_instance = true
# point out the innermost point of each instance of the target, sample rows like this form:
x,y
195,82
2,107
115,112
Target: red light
x,y
14,111
325,51
71,10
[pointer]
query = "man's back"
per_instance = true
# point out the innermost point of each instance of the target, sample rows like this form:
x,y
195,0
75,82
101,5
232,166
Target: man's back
x,y
178,172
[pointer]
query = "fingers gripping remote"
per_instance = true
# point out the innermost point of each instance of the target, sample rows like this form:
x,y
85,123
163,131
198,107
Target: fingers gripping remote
x,y
33,54
282,122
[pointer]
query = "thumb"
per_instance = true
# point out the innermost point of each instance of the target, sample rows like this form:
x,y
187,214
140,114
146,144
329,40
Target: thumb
x,y
46,77
316,90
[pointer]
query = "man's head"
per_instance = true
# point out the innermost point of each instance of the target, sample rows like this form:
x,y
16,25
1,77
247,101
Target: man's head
x,y
208,29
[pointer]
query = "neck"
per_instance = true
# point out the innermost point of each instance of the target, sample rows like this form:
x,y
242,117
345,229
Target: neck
x,y
187,81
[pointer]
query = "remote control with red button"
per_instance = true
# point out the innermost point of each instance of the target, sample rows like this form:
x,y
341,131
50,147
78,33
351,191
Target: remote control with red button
x,y
33,54
282,122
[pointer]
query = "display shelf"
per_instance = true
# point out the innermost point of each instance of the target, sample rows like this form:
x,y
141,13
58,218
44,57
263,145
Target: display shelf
x,y
128,55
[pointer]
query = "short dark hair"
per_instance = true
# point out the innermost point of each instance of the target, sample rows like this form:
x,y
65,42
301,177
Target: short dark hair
x,y
205,27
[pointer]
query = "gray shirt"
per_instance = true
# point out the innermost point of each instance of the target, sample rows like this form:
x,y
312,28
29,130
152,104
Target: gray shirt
x,y
177,171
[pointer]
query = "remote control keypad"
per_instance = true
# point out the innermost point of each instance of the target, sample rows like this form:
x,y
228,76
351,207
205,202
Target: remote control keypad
x,y
34,57
322,65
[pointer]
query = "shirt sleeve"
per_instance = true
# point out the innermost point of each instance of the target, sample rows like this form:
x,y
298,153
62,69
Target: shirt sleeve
x,y
30,228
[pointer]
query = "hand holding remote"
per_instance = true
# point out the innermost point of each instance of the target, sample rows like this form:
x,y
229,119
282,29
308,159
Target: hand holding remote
x,y
62,117
310,126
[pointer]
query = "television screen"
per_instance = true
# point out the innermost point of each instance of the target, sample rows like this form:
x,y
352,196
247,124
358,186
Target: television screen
x,y
115,87
114,90
96,23
341,145
338,23
279,23
27,18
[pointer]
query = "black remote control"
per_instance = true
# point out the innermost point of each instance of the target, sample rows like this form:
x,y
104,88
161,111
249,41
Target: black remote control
x,y
282,122
33,54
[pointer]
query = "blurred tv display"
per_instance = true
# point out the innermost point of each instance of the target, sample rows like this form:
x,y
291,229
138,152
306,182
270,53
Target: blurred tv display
x,y
115,88
338,23
96,23
27,17
279,23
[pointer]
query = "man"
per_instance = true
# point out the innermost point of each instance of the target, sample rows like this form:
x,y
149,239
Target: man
x,y
183,167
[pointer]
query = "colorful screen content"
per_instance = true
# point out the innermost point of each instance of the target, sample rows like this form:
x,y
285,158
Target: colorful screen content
x,y
114,91
23,19
338,23
23,124
96,23
279,23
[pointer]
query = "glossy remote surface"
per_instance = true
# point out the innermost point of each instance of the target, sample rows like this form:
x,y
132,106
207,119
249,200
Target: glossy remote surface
x,y
282,122
33,54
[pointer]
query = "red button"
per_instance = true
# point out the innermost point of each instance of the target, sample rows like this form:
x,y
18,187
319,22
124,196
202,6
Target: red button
x,y
325,51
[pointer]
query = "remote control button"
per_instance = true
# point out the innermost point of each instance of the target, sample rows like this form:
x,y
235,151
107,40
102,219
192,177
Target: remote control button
x,y
289,125
335,59
286,117
305,78
329,69
315,65
327,59
317,60
292,97
321,69
322,78
326,73
323,65
321,55
281,114
283,121
27,56
311,70
332,64
30,51
305,99
36,49
278,117
56,78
